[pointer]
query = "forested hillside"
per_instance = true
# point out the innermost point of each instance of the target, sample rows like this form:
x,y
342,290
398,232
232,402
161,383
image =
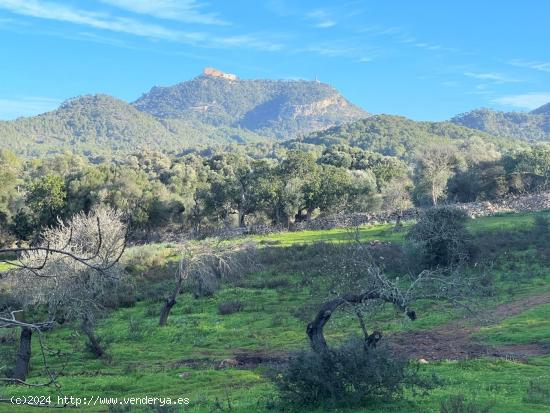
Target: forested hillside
x,y
102,125
532,126
276,108
210,112
397,136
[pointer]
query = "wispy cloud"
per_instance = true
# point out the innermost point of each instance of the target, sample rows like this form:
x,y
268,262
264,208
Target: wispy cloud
x,y
491,76
187,11
61,12
13,107
526,101
322,19
400,35
359,53
103,21
535,65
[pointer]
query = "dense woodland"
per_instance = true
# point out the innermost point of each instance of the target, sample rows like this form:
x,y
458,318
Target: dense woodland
x,y
196,191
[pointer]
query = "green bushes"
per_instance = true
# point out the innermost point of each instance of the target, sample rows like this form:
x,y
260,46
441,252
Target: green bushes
x,y
346,376
442,234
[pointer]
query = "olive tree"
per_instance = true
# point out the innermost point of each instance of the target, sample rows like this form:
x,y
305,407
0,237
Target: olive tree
x,y
363,282
203,265
436,164
67,273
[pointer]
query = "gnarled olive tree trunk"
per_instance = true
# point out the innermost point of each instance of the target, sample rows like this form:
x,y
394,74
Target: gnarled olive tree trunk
x,y
94,344
315,328
170,302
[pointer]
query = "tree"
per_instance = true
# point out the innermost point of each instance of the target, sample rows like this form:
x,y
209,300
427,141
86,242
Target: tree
x,y
396,197
363,193
335,185
68,272
436,164
443,235
532,167
365,282
301,167
46,197
202,266
10,179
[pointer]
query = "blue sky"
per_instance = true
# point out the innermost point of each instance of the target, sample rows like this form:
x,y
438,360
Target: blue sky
x,y
427,60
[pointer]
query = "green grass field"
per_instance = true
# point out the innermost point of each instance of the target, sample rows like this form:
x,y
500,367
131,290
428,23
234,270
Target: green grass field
x,y
183,358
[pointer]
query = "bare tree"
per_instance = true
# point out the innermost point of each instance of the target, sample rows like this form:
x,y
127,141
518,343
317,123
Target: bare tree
x,y
67,272
369,283
436,165
397,198
203,265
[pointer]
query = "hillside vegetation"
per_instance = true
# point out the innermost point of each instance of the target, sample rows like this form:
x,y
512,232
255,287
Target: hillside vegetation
x,y
101,125
396,135
212,113
532,126
277,108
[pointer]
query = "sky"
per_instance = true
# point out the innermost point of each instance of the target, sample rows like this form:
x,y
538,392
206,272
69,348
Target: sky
x,y
424,59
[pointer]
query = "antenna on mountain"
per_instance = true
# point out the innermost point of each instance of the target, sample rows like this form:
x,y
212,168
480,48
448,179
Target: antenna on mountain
x,y
317,79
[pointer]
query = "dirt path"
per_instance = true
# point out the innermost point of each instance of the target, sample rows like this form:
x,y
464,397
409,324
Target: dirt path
x,y
454,341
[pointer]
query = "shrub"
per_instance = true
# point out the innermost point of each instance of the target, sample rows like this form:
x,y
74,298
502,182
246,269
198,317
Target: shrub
x,y
442,233
230,307
347,376
458,404
203,286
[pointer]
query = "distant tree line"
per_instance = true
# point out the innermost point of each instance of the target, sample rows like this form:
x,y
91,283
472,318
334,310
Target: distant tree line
x,y
194,191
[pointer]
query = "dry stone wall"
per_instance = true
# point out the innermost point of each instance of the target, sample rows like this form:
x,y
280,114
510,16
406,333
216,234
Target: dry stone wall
x,y
525,203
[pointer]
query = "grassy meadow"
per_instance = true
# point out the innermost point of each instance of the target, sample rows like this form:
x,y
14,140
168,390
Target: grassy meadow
x,y
185,358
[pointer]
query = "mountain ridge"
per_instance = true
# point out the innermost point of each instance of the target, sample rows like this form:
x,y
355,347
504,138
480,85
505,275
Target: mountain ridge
x,y
218,108
101,123
394,135
275,108
212,109
532,126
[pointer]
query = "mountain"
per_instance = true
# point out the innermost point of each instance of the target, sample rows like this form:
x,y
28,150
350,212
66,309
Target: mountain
x,y
396,135
532,126
275,108
100,124
543,110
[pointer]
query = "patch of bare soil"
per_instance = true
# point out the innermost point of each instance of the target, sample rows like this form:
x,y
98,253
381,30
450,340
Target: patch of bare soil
x,y
243,359
454,341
